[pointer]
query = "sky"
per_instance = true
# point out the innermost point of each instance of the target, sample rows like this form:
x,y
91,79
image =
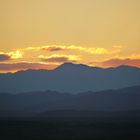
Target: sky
x,y
43,34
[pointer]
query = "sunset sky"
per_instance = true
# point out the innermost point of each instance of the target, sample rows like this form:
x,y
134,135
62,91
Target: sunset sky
x,y
42,34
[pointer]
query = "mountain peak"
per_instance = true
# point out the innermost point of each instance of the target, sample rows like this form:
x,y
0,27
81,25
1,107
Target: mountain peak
x,y
70,66
126,67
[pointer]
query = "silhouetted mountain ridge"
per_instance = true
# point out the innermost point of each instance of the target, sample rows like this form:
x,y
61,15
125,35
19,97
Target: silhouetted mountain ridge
x,y
70,78
126,99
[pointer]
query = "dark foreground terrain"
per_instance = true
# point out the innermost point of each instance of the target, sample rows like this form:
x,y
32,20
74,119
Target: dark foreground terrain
x,y
72,127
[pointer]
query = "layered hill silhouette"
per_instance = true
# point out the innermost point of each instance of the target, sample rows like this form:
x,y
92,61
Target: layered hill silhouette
x,y
51,115
70,78
126,99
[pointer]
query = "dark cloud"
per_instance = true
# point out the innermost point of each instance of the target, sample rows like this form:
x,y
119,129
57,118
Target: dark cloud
x,y
56,59
60,59
4,57
53,48
118,62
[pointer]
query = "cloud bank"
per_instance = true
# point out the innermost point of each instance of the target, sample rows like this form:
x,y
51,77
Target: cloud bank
x,y
117,62
56,48
60,58
13,67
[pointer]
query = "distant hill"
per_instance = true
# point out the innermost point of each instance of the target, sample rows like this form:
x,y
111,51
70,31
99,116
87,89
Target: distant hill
x,y
126,99
70,78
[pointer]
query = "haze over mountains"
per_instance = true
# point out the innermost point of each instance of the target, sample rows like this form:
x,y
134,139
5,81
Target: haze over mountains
x,y
70,77
126,99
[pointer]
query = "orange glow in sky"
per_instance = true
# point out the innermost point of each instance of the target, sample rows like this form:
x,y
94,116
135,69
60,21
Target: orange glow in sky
x,y
43,34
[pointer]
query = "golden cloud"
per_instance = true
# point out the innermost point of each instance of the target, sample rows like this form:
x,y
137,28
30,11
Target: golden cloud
x,y
59,58
15,54
54,48
134,56
11,55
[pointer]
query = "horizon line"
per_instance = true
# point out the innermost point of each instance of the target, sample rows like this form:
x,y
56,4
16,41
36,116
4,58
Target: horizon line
x,y
45,69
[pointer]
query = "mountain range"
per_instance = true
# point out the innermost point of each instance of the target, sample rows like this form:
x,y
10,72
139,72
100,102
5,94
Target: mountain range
x,y
126,99
70,77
